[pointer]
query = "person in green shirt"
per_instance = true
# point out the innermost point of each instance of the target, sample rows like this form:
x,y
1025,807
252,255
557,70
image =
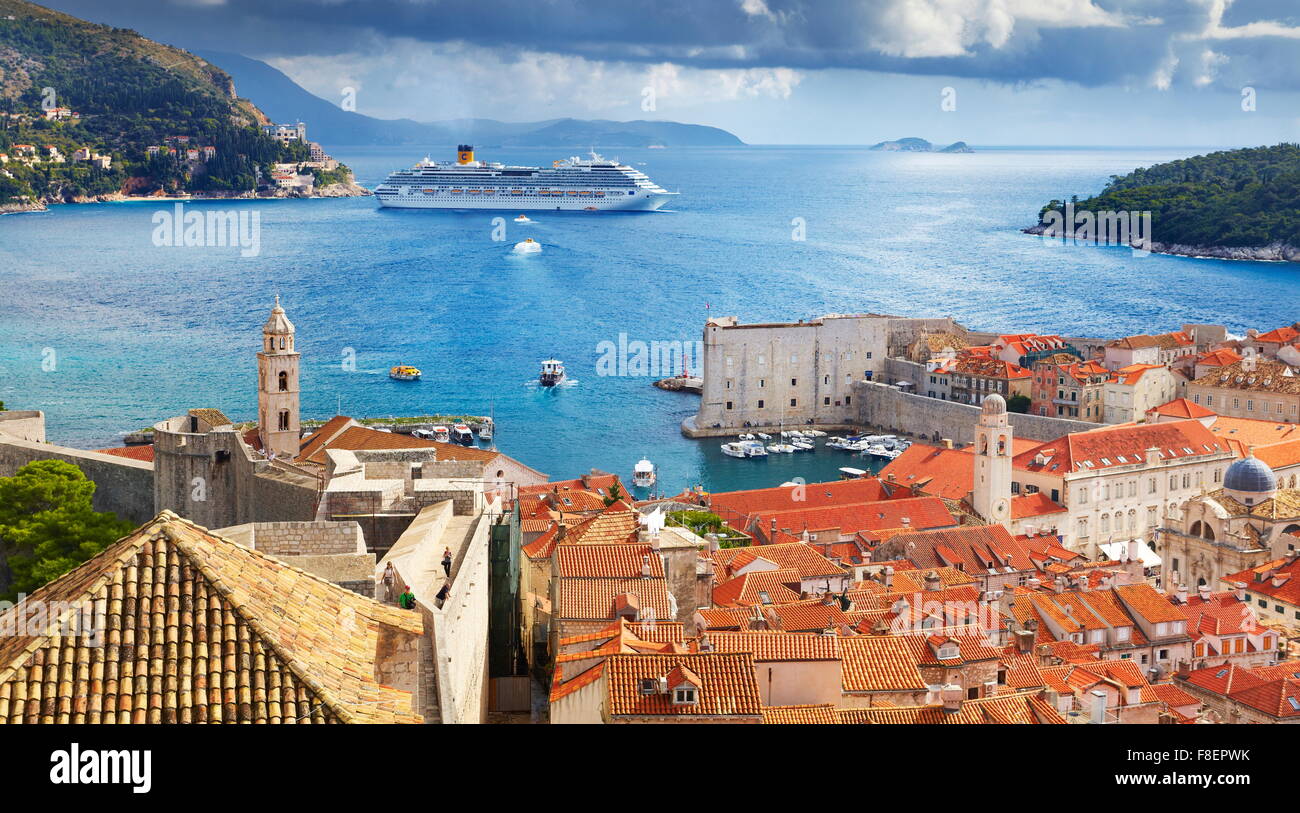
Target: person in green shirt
x,y
407,599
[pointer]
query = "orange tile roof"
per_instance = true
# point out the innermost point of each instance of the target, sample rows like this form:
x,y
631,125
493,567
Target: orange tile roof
x,y
607,561
1151,604
1121,445
322,433
879,663
1281,335
141,453
1273,690
594,599
946,473
797,556
801,715
599,483
972,546
732,505
1132,373
616,524
1181,408
1037,504
781,587
920,513
777,645
1261,579
1218,358
727,686
1023,708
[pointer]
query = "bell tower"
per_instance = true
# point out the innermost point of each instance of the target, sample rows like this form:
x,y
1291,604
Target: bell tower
x,y
277,386
992,494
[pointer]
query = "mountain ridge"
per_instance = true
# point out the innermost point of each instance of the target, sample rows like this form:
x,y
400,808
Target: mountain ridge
x,y
286,101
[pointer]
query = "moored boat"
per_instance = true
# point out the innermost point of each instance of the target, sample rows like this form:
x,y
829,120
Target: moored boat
x,y
643,473
404,372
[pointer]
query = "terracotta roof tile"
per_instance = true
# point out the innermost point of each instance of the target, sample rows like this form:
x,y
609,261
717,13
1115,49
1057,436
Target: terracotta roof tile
x,y
727,686
237,637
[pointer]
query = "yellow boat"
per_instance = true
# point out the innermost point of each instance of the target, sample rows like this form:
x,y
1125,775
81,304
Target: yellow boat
x,y
404,372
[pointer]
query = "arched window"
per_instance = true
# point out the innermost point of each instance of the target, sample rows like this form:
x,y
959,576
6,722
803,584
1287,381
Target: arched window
x,y
270,342
284,381
281,342
284,420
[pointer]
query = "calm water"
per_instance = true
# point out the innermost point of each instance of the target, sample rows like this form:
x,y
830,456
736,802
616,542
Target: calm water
x,y
140,332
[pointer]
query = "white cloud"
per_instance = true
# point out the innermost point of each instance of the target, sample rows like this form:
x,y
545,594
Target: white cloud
x,y
1216,30
951,28
395,77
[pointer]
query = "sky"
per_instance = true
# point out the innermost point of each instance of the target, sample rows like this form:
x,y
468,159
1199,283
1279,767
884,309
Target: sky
x,y
989,72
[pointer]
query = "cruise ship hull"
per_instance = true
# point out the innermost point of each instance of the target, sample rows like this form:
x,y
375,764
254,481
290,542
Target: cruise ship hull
x,y
640,202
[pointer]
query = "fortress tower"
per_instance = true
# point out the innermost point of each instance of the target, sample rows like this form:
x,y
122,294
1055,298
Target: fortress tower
x,y
277,386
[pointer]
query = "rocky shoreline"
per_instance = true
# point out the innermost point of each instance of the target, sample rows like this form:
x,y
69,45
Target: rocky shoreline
x,y
349,189
1273,252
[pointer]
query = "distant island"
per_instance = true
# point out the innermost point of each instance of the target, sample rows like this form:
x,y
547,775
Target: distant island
x,y
284,100
920,145
1239,204
93,113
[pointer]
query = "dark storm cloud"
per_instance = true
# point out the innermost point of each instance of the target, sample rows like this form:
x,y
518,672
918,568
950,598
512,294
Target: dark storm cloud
x,y
1102,43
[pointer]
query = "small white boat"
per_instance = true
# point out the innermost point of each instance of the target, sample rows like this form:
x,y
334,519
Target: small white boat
x,y
552,373
485,429
836,442
817,433
529,246
754,449
643,473
746,436
523,219
781,448
764,436
460,433
441,434
734,450
803,446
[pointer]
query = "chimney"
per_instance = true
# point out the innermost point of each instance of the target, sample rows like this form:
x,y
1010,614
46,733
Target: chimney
x,y
586,480
889,477
772,536
1181,595
1239,591
1203,591
1033,583
1134,552
1098,706
947,443
712,539
1024,641
887,576
907,523
932,581
705,644
561,532
951,695
1059,584
645,566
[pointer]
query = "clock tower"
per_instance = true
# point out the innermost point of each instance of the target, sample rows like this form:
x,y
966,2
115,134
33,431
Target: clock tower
x,y
992,495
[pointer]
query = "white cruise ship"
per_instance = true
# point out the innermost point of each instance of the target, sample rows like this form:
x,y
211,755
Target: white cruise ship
x,y
573,184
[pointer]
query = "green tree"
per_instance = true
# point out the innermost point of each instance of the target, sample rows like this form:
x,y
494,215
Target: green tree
x,y
615,494
47,524
1018,403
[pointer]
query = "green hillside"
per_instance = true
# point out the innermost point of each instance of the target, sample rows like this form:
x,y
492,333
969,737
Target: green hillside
x,y
130,93
1235,198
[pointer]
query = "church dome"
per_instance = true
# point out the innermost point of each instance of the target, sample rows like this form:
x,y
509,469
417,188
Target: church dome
x,y
277,323
994,405
1250,475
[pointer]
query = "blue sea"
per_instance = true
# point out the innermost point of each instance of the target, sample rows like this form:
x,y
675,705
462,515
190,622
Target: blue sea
x,y
107,332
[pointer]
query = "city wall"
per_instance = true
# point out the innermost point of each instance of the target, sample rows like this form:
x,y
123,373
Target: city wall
x,y
122,486
887,408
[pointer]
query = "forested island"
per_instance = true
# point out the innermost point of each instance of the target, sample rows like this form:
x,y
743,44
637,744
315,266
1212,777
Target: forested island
x,y
1235,204
90,112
